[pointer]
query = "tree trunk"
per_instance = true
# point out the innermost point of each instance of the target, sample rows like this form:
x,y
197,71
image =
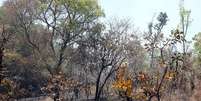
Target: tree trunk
x,y
98,91
158,97
97,96
128,99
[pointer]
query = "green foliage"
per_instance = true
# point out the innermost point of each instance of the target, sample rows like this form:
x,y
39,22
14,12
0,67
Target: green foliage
x,y
1,13
197,44
88,8
197,47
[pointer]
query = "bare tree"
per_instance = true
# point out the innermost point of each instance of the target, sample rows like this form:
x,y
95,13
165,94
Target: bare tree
x,y
105,51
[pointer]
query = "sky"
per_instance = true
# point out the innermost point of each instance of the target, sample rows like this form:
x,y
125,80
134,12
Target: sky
x,y
141,12
1,1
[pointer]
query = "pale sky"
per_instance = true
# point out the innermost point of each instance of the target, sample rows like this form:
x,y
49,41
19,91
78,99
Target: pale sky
x,y
1,1
142,11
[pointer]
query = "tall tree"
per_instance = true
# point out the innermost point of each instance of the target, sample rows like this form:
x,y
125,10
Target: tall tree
x,y
68,21
105,47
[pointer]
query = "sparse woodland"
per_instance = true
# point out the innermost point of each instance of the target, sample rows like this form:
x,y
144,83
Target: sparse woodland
x,y
62,49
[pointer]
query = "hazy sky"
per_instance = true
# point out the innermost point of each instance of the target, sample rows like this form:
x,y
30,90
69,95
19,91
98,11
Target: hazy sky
x,y
142,11
1,1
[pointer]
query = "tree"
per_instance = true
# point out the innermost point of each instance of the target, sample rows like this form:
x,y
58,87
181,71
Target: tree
x,y
51,27
197,46
105,51
153,85
154,36
67,21
5,36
